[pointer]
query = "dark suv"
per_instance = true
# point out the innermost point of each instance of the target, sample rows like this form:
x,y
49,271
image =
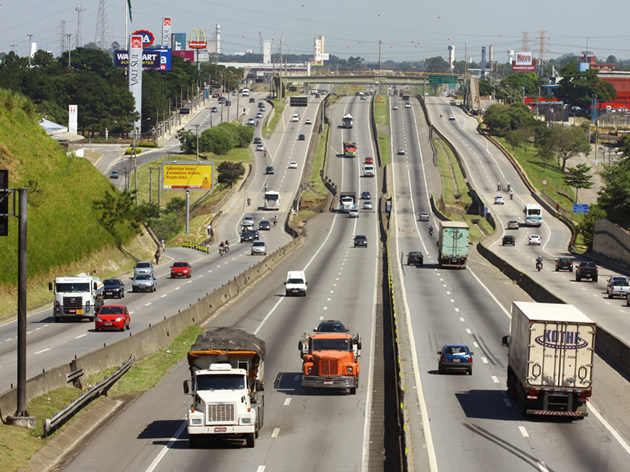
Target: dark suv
x,y
415,258
564,263
509,239
360,241
586,270
113,288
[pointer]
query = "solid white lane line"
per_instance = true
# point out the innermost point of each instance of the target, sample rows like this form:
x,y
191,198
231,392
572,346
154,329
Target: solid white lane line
x,y
80,336
523,431
165,449
609,427
43,350
276,432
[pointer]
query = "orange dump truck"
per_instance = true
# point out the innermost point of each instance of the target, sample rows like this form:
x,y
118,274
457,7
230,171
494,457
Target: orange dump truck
x,y
330,360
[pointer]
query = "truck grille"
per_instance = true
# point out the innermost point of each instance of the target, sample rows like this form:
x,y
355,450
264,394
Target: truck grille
x,y
221,413
328,367
72,302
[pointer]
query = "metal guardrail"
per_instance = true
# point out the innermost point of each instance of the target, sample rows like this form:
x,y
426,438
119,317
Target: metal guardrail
x,y
64,415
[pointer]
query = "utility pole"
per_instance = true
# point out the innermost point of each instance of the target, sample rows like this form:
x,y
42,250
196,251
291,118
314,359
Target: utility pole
x,y
542,52
79,10
135,160
30,47
379,56
69,36
197,126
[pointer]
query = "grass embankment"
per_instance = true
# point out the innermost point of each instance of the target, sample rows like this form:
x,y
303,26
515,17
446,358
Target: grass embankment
x,y
455,191
18,444
277,114
63,227
316,192
383,137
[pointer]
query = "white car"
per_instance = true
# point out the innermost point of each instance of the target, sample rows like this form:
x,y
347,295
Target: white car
x,y
353,213
424,216
295,117
251,121
401,152
248,220
260,147
395,107
534,239
407,105
452,117
259,248
368,206
293,165
259,114
499,200
308,121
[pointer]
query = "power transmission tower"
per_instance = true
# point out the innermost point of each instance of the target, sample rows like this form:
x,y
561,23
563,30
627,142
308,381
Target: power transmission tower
x,y
62,35
542,51
101,26
525,41
79,10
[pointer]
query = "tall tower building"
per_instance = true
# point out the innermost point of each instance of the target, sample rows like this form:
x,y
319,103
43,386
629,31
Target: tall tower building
x,y
218,38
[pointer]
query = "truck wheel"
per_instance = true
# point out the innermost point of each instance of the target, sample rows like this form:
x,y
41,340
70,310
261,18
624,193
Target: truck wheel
x,y
250,440
578,278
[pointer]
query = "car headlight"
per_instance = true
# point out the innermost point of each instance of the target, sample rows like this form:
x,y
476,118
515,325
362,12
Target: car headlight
x,y
196,421
120,318
309,370
100,320
349,370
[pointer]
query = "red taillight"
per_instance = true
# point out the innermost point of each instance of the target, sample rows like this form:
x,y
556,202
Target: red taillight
x,y
470,359
442,359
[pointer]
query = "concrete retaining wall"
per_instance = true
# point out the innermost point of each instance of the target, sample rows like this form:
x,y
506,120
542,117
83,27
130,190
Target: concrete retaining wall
x,y
151,339
612,243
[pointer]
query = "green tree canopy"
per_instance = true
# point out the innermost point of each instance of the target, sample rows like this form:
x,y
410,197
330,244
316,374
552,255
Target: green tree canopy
x,y
614,198
504,118
565,142
578,88
578,177
436,65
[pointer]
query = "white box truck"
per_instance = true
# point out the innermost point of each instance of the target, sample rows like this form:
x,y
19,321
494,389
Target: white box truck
x,y
550,359
226,385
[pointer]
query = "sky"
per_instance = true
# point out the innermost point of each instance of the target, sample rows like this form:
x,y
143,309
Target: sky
x,y
407,30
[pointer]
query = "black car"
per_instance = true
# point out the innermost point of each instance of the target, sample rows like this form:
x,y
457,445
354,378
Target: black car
x,y
264,225
415,258
252,100
366,195
586,270
331,326
509,239
269,170
301,137
114,174
257,140
113,288
251,235
564,263
360,240
214,109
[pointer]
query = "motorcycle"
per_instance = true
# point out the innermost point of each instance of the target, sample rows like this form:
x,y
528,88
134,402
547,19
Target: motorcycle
x,y
430,231
221,250
275,221
511,195
498,187
539,266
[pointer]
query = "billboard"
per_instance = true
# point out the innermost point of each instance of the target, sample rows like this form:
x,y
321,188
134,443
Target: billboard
x,y
135,75
191,175
166,32
73,118
147,37
198,39
524,62
187,55
151,59
524,68
179,41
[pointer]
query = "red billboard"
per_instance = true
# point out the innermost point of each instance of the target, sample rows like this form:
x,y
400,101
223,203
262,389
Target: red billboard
x,y
524,67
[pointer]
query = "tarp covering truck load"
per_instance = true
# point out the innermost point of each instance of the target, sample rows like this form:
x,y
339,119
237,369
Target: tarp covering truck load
x,y
550,359
453,238
347,121
227,386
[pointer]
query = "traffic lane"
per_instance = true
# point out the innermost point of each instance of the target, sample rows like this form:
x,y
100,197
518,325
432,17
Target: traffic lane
x,y
335,142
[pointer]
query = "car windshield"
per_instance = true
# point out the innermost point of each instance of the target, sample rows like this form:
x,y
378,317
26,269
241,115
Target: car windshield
x,y
258,243
295,281
620,282
221,382
112,282
331,327
73,287
360,237
143,277
111,310
143,265
180,264
331,345
455,351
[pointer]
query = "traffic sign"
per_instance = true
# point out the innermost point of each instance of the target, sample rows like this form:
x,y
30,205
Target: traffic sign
x,y
580,208
443,79
544,182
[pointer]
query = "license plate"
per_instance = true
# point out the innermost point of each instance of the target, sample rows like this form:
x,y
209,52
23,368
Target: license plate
x,y
109,293
456,360
80,311
222,429
108,324
328,382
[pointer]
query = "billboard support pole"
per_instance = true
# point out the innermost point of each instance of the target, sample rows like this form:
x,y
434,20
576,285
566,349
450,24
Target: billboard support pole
x,y
187,211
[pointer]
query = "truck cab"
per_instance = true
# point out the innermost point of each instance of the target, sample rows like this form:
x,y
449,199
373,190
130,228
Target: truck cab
x,y
77,297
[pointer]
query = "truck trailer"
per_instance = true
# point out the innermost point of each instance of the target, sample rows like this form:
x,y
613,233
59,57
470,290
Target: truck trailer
x,y
550,359
226,385
77,297
453,239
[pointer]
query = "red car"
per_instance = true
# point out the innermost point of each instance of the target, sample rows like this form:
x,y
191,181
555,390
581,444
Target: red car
x,y
112,317
369,160
181,269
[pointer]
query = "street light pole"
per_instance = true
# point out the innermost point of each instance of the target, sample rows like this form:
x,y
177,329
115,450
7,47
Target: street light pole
x,y
30,47
379,56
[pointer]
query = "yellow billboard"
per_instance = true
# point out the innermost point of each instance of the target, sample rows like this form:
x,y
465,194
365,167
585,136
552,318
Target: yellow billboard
x,y
191,175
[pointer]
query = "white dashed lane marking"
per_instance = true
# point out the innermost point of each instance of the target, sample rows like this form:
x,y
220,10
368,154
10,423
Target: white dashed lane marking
x,y
43,350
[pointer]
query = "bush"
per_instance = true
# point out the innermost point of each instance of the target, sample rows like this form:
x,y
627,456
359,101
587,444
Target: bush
x,y
166,227
147,144
129,152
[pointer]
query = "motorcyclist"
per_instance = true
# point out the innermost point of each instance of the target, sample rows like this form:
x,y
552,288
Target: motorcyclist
x,y
440,115
275,220
221,248
498,186
227,246
265,153
539,260
511,194
266,185
430,230
249,201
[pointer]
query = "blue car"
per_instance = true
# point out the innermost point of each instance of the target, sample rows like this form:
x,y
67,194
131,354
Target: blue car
x,y
455,357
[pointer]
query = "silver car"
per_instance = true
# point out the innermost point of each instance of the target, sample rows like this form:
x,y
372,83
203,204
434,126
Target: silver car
x,y
423,216
259,248
144,283
353,213
143,267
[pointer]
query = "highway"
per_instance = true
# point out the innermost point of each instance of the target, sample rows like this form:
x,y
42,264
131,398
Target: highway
x,y
51,344
299,423
471,423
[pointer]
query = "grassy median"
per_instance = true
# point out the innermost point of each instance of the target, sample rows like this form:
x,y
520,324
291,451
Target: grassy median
x,y
278,106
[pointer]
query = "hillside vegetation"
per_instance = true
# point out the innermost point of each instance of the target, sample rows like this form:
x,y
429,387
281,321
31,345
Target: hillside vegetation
x,y
63,227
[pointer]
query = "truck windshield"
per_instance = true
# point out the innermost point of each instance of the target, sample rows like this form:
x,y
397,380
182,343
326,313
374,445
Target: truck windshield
x,y
73,287
330,345
221,382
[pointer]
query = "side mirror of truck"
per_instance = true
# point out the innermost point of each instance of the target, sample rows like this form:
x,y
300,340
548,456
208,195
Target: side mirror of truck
x,y
186,386
505,341
259,385
359,345
300,346
50,285
95,286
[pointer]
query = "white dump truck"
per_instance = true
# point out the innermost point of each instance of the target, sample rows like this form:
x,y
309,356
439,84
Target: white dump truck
x,y
226,385
550,360
77,297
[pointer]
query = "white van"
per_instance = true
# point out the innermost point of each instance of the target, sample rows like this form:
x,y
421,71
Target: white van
x,y
245,92
296,117
368,170
296,283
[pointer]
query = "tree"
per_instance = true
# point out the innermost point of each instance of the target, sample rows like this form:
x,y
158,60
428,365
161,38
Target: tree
x,y
118,208
437,65
578,87
356,63
614,198
611,59
485,88
187,141
230,172
564,143
578,177
587,227
505,118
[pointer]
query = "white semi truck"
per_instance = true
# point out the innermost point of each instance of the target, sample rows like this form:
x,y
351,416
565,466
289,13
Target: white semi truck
x,y
226,385
77,297
550,359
